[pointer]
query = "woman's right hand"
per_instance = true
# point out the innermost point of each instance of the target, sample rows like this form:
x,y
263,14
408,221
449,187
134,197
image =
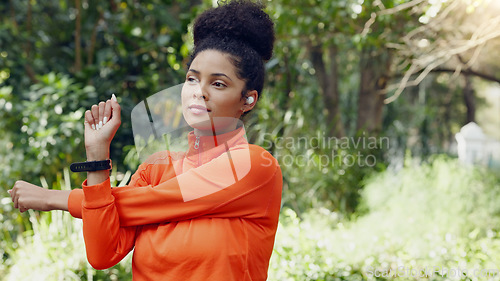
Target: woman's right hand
x,y
27,196
101,123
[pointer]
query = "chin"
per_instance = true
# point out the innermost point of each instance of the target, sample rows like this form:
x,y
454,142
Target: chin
x,y
208,123
202,126
200,122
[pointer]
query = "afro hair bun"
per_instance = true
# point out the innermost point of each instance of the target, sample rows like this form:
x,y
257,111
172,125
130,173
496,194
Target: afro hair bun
x,y
240,20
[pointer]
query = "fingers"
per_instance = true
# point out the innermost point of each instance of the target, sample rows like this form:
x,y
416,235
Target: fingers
x,y
102,106
116,109
89,120
100,114
107,112
95,116
13,194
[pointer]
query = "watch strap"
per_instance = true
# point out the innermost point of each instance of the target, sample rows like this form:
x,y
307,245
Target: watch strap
x,y
91,166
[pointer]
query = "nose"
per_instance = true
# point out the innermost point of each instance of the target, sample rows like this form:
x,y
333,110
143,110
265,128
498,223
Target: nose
x,y
199,93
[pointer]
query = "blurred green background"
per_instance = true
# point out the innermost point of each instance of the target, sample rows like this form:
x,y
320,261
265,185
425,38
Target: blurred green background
x,y
362,103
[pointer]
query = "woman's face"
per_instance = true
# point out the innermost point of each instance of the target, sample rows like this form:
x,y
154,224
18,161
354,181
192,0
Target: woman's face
x,y
211,96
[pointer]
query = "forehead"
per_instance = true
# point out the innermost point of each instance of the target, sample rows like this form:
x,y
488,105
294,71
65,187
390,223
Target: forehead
x,y
213,61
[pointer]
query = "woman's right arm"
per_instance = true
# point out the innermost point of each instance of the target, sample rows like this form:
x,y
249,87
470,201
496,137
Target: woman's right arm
x,y
140,203
27,196
108,246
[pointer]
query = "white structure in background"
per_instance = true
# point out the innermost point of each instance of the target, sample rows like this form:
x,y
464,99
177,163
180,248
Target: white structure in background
x,y
474,147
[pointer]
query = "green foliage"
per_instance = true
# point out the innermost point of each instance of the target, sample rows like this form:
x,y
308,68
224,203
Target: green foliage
x,y
48,121
302,249
54,250
440,214
43,133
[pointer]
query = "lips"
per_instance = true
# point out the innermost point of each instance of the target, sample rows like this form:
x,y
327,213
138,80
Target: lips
x,y
198,109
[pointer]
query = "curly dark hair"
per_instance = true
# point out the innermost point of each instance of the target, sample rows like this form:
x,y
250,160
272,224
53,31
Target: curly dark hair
x,y
241,29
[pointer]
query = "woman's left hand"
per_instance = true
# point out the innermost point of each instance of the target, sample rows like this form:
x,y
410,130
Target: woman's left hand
x,y
101,123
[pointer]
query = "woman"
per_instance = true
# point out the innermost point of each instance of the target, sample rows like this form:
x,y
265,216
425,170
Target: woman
x,y
210,213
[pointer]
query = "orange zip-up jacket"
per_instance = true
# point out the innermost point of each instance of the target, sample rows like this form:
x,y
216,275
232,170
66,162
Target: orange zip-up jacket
x,y
208,214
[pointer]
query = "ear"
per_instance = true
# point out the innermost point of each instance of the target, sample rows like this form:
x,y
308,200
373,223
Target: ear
x,y
249,106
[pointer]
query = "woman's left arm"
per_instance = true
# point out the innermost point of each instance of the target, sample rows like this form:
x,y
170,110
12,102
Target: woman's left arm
x,y
101,123
106,242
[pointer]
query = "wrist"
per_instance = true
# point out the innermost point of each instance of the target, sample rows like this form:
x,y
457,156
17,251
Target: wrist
x,y
57,200
97,177
97,153
49,202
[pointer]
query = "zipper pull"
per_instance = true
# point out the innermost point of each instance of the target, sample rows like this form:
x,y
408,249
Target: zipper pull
x,y
197,143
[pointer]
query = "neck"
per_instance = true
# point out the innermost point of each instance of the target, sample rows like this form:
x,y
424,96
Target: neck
x,y
216,130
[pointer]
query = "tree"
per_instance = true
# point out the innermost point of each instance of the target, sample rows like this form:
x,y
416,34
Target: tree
x,y
339,34
456,37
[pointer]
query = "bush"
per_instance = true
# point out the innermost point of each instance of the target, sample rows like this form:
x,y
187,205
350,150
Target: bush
x,y
54,250
438,216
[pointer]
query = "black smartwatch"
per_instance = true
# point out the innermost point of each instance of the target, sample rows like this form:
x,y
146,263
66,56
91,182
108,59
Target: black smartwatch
x,y
91,166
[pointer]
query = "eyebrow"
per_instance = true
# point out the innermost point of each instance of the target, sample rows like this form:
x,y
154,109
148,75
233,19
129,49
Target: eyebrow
x,y
213,74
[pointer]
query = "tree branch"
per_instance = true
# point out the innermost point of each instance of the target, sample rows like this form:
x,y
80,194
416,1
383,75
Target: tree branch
x,y
401,7
13,14
93,38
405,84
29,27
470,72
78,52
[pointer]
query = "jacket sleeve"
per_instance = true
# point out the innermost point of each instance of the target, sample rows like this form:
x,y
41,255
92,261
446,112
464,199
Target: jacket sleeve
x,y
239,183
106,243
75,199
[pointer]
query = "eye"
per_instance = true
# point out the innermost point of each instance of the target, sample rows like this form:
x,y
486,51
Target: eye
x,y
191,79
218,84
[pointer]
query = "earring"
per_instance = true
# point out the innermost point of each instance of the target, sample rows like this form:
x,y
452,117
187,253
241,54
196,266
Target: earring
x,y
250,100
